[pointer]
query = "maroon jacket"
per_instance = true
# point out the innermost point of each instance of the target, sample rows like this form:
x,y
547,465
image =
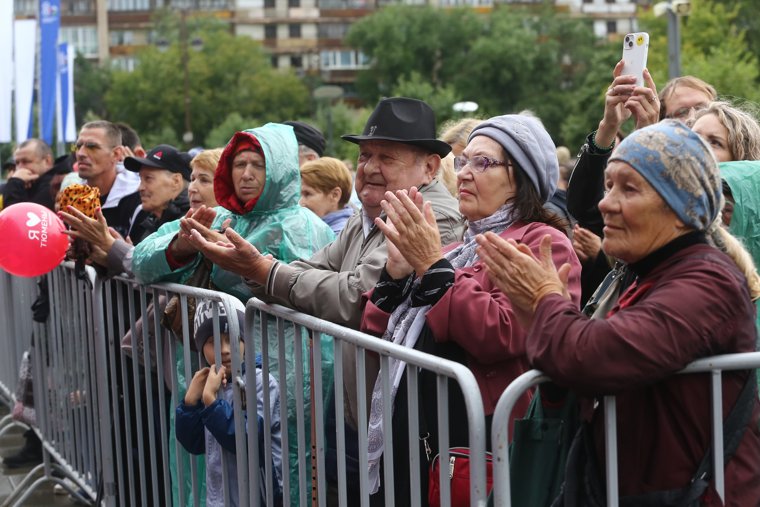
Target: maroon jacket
x,y
693,304
479,317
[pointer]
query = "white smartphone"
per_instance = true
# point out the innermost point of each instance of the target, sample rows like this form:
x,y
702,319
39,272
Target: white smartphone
x,y
635,50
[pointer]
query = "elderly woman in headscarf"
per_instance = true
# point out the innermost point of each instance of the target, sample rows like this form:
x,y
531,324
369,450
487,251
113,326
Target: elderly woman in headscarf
x,y
692,299
440,301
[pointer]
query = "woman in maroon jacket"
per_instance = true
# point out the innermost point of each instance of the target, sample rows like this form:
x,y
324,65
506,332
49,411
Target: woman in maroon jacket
x,y
692,299
441,302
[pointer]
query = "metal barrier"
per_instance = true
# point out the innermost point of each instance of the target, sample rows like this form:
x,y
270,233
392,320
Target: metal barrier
x,y
105,407
16,298
267,326
714,365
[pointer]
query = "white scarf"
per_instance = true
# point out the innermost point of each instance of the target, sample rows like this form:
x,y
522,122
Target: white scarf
x,y
404,328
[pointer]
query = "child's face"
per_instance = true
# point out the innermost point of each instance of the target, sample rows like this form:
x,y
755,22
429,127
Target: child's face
x,y
208,350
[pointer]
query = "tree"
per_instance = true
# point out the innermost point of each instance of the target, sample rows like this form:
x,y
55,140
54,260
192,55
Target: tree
x,y
509,60
401,39
713,48
230,74
90,84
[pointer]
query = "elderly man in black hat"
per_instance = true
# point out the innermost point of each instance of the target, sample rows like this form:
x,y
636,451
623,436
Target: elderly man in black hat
x,y
397,150
164,177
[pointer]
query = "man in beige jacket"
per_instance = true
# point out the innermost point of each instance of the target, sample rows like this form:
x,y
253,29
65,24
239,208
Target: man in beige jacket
x,y
397,150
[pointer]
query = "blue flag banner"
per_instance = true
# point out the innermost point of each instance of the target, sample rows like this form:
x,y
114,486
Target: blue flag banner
x,y
50,17
63,90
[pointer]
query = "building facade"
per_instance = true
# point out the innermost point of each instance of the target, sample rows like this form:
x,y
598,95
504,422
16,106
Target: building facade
x,y
305,35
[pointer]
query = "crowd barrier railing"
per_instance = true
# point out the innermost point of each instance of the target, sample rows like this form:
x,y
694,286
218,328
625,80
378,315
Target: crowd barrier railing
x,y
16,298
149,368
715,366
108,376
263,320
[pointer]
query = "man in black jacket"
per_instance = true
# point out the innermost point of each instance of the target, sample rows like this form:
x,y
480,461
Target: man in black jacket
x,y
30,182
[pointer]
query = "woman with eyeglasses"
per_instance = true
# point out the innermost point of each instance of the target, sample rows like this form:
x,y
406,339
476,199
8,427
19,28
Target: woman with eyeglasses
x,y
440,301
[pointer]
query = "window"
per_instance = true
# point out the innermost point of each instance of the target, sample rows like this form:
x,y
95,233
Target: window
x,y
127,63
296,62
269,4
129,5
270,32
332,30
343,60
274,61
122,37
612,26
83,38
294,31
294,3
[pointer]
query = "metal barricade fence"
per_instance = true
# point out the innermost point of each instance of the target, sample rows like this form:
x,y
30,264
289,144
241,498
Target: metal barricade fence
x,y
109,376
148,370
715,365
16,298
66,389
271,326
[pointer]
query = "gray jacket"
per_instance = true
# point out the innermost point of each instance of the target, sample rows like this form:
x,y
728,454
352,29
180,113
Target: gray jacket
x,y
330,284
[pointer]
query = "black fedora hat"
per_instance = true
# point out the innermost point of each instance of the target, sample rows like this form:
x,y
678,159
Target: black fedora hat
x,y
408,121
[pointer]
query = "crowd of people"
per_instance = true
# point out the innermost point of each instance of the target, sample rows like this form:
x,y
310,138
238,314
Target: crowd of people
x,y
486,245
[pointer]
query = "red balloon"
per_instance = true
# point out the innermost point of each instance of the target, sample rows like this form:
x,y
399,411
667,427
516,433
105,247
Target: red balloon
x,y
32,241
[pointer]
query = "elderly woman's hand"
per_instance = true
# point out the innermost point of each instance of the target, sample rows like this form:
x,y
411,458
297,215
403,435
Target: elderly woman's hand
x,y
644,104
234,254
415,231
516,272
95,232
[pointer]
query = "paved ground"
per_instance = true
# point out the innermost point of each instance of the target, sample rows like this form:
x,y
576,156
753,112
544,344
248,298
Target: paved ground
x,y
10,442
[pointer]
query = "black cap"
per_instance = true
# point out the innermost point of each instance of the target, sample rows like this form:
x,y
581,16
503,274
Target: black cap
x,y
403,120
9,162
308,136
162,156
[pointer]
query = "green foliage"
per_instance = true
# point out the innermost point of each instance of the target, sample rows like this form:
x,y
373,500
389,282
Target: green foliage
x,y
336,120
90,85
440,99
509,60
229,74
220,135
713,48
402,39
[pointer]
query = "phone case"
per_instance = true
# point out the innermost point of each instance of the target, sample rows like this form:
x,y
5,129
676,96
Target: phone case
x,y
635,50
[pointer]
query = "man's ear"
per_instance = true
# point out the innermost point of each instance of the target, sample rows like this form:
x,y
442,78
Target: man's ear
x,y
178,182
432,164
118,152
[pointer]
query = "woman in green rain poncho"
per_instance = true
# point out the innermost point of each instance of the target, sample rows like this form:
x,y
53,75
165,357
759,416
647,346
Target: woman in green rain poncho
x,y
257,184
742,211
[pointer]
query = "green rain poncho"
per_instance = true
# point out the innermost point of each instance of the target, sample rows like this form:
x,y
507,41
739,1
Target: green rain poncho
x,y
743,179
275,224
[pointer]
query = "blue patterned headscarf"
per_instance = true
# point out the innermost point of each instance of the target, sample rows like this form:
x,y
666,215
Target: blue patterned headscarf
x,y
681,168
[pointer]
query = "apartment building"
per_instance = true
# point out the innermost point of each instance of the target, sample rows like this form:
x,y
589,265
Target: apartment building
x,y
306,35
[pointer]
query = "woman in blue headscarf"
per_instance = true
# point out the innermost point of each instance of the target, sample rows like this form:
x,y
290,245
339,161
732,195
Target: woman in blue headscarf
x,y
692,299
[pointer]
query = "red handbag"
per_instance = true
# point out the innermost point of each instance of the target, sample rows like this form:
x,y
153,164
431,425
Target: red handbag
x,y
459,477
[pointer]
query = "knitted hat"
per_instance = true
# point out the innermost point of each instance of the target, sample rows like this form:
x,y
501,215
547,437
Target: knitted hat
x,y
528,143
680,166
204,322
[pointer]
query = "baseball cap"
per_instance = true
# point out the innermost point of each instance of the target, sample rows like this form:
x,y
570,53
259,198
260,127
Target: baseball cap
x,y
163,156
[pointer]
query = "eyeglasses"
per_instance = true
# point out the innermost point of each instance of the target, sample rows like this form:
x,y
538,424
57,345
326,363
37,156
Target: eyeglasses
x,y
478,164
90,146
683,113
